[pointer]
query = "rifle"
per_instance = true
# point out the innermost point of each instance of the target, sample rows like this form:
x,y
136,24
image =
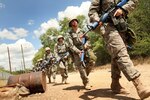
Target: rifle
x,y
62,57
48,62
105,16
94,25
83,43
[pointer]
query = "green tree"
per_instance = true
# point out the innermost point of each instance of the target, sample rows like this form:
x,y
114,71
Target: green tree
x,y
64,25
46,39
139,21
38,55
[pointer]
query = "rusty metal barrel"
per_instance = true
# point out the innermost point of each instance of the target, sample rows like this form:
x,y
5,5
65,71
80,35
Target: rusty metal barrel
x,y
34,81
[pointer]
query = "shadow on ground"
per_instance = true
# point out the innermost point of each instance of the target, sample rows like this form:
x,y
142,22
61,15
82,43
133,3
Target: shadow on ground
x,y
56,84
77,87
104,93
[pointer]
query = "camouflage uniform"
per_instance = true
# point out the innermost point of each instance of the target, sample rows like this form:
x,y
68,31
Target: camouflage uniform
x,y
75,44
117,47
61,51
38,65
115,44
51,69
34,69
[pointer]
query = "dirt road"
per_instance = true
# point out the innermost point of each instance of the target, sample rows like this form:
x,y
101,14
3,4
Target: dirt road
x,y
100,81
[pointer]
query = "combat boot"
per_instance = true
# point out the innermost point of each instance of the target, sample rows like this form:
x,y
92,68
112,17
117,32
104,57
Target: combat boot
x,y
117,88
54,80
87,86
142,91
63,80
49,80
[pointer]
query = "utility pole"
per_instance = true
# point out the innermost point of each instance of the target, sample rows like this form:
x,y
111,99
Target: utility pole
x,y
21,69
23,58
9,59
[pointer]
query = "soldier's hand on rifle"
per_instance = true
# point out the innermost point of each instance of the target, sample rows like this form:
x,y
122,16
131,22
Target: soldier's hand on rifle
x,y
58,59
53,59
86,46
80,53
118,12
100,24
65,57
81,36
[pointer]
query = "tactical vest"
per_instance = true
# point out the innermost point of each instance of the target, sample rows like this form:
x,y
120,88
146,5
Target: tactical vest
x,y
48,56
121,22
61,48
76,38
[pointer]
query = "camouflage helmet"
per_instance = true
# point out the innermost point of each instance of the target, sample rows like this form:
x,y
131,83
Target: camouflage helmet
x,y
60,36
47,49
73,20
39,59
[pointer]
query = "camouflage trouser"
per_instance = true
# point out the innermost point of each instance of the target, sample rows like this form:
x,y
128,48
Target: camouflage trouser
x,y
91,60
63,69
84,72
51,72
120,57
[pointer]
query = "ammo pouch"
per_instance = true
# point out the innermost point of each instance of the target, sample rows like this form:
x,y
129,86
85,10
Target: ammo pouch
x,y
130,37
120,23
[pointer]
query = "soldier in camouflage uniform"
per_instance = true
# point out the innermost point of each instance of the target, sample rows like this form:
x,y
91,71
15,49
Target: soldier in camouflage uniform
x,y
61,53
38,65
34,69
51,68
116,46
75,44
